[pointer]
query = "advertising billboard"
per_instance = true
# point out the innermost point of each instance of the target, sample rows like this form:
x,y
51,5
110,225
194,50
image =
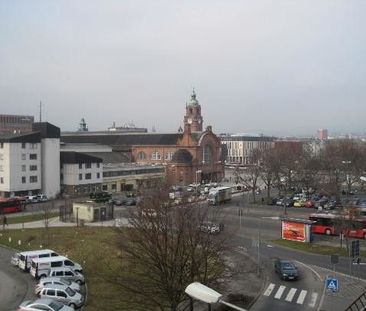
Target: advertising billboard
x,y
294,231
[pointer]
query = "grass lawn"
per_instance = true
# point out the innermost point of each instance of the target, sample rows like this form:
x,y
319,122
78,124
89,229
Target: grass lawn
x,y
315,248
84,245
29,218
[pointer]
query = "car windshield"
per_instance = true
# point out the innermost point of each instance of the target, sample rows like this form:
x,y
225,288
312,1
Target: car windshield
x,y
70,292
288,266
55,305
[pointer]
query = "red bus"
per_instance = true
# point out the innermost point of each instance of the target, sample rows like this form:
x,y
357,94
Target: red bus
x,y
11,205
334,224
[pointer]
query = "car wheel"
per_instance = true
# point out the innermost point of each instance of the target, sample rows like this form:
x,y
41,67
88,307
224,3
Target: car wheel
x,y
327,232
79,282
72,305
42,276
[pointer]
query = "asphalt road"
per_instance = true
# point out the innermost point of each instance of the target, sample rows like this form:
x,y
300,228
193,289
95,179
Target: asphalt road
x,y
15,285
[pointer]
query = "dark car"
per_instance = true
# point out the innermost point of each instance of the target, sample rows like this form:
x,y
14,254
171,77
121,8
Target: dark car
x,y
130,202
286,269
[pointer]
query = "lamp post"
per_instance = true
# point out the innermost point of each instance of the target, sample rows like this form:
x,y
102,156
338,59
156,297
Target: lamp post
x,y
205,294
197,172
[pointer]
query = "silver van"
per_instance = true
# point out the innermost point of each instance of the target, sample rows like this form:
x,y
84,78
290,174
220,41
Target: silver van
x,y
63,294
67,273
41,266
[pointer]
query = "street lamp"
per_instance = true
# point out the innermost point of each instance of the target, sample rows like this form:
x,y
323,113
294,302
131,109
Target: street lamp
x,y
197,172
205,294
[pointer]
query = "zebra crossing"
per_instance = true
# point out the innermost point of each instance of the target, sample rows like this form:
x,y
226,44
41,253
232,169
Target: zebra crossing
x,y
292,295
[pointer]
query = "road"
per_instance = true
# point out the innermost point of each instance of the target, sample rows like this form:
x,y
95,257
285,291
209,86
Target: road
x,y
15,285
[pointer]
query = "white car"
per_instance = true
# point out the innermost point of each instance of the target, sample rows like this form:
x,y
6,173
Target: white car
x,y
63,294
44,282
43,304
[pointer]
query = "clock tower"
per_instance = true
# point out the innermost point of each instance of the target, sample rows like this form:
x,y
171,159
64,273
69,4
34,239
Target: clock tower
x,y
193,116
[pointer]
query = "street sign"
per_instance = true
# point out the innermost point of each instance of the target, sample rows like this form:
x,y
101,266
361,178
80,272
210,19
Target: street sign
x,y
355,249
332,284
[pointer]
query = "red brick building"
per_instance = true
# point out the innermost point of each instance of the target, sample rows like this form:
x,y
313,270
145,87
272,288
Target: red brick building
x,y
194,156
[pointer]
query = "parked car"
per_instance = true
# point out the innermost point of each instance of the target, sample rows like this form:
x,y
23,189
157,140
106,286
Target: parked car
x,y
31,199
130,202
286,269
43,304
67,273
209,227
118,201
44,282
63,294
309,204
42,198
299,203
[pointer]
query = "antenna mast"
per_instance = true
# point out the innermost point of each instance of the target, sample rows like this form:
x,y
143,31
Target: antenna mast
x,y
40,111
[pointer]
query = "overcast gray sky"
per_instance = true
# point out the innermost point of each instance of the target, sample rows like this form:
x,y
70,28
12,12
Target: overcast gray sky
x,y
273,67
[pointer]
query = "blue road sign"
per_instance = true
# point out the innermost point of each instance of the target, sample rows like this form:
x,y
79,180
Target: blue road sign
x,y
332,284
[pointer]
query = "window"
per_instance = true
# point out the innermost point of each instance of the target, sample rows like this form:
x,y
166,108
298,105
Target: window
x,y
104,187
114,187
68,273
1,168
207,154
1,145
24,180
80,176
51,292
32,167
61,294
23,145
88,176
1,156
23,156
88,165
1,180
56,264
24,168
155,156
33,179
98,175
68,263
168,156
32,146
98,165
60,273
141,155
80,165
33,156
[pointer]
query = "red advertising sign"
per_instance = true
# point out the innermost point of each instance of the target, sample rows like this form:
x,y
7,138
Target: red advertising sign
x,y
293,231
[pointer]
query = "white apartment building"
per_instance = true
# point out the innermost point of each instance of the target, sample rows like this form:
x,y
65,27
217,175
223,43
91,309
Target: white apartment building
x,y
29,163
239,148
80,173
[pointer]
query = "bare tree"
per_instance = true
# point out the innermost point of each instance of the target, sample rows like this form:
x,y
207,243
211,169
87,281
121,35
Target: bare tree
x,y
163,251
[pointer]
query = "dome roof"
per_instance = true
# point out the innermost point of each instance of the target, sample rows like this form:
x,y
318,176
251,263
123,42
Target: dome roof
x,y
182,156
193,101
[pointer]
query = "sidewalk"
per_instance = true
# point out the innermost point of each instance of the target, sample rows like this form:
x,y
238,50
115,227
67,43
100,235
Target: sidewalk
x,y
350,288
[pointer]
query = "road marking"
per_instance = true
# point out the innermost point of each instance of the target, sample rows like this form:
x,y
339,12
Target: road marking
x,y
301,298
280,292
271,217
269,289
291,294
314,297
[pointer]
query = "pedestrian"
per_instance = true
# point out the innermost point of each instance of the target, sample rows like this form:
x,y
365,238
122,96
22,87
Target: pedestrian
x,y
5,222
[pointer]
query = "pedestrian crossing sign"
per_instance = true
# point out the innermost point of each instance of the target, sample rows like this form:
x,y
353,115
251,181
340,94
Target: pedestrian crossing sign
x,y
332,284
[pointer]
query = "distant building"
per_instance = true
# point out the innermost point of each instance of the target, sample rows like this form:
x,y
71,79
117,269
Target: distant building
x,y
292,145
29,163
127,128
322,134
15,124
239,148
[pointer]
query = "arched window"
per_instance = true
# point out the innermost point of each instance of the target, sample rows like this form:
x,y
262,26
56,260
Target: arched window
x,y
141,155
207,154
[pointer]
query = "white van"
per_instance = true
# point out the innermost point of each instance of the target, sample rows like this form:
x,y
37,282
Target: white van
x,y
25,258
42,266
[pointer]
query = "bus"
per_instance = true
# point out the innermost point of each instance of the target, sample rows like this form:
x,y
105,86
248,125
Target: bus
x,y
219,195
11,205
335,224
